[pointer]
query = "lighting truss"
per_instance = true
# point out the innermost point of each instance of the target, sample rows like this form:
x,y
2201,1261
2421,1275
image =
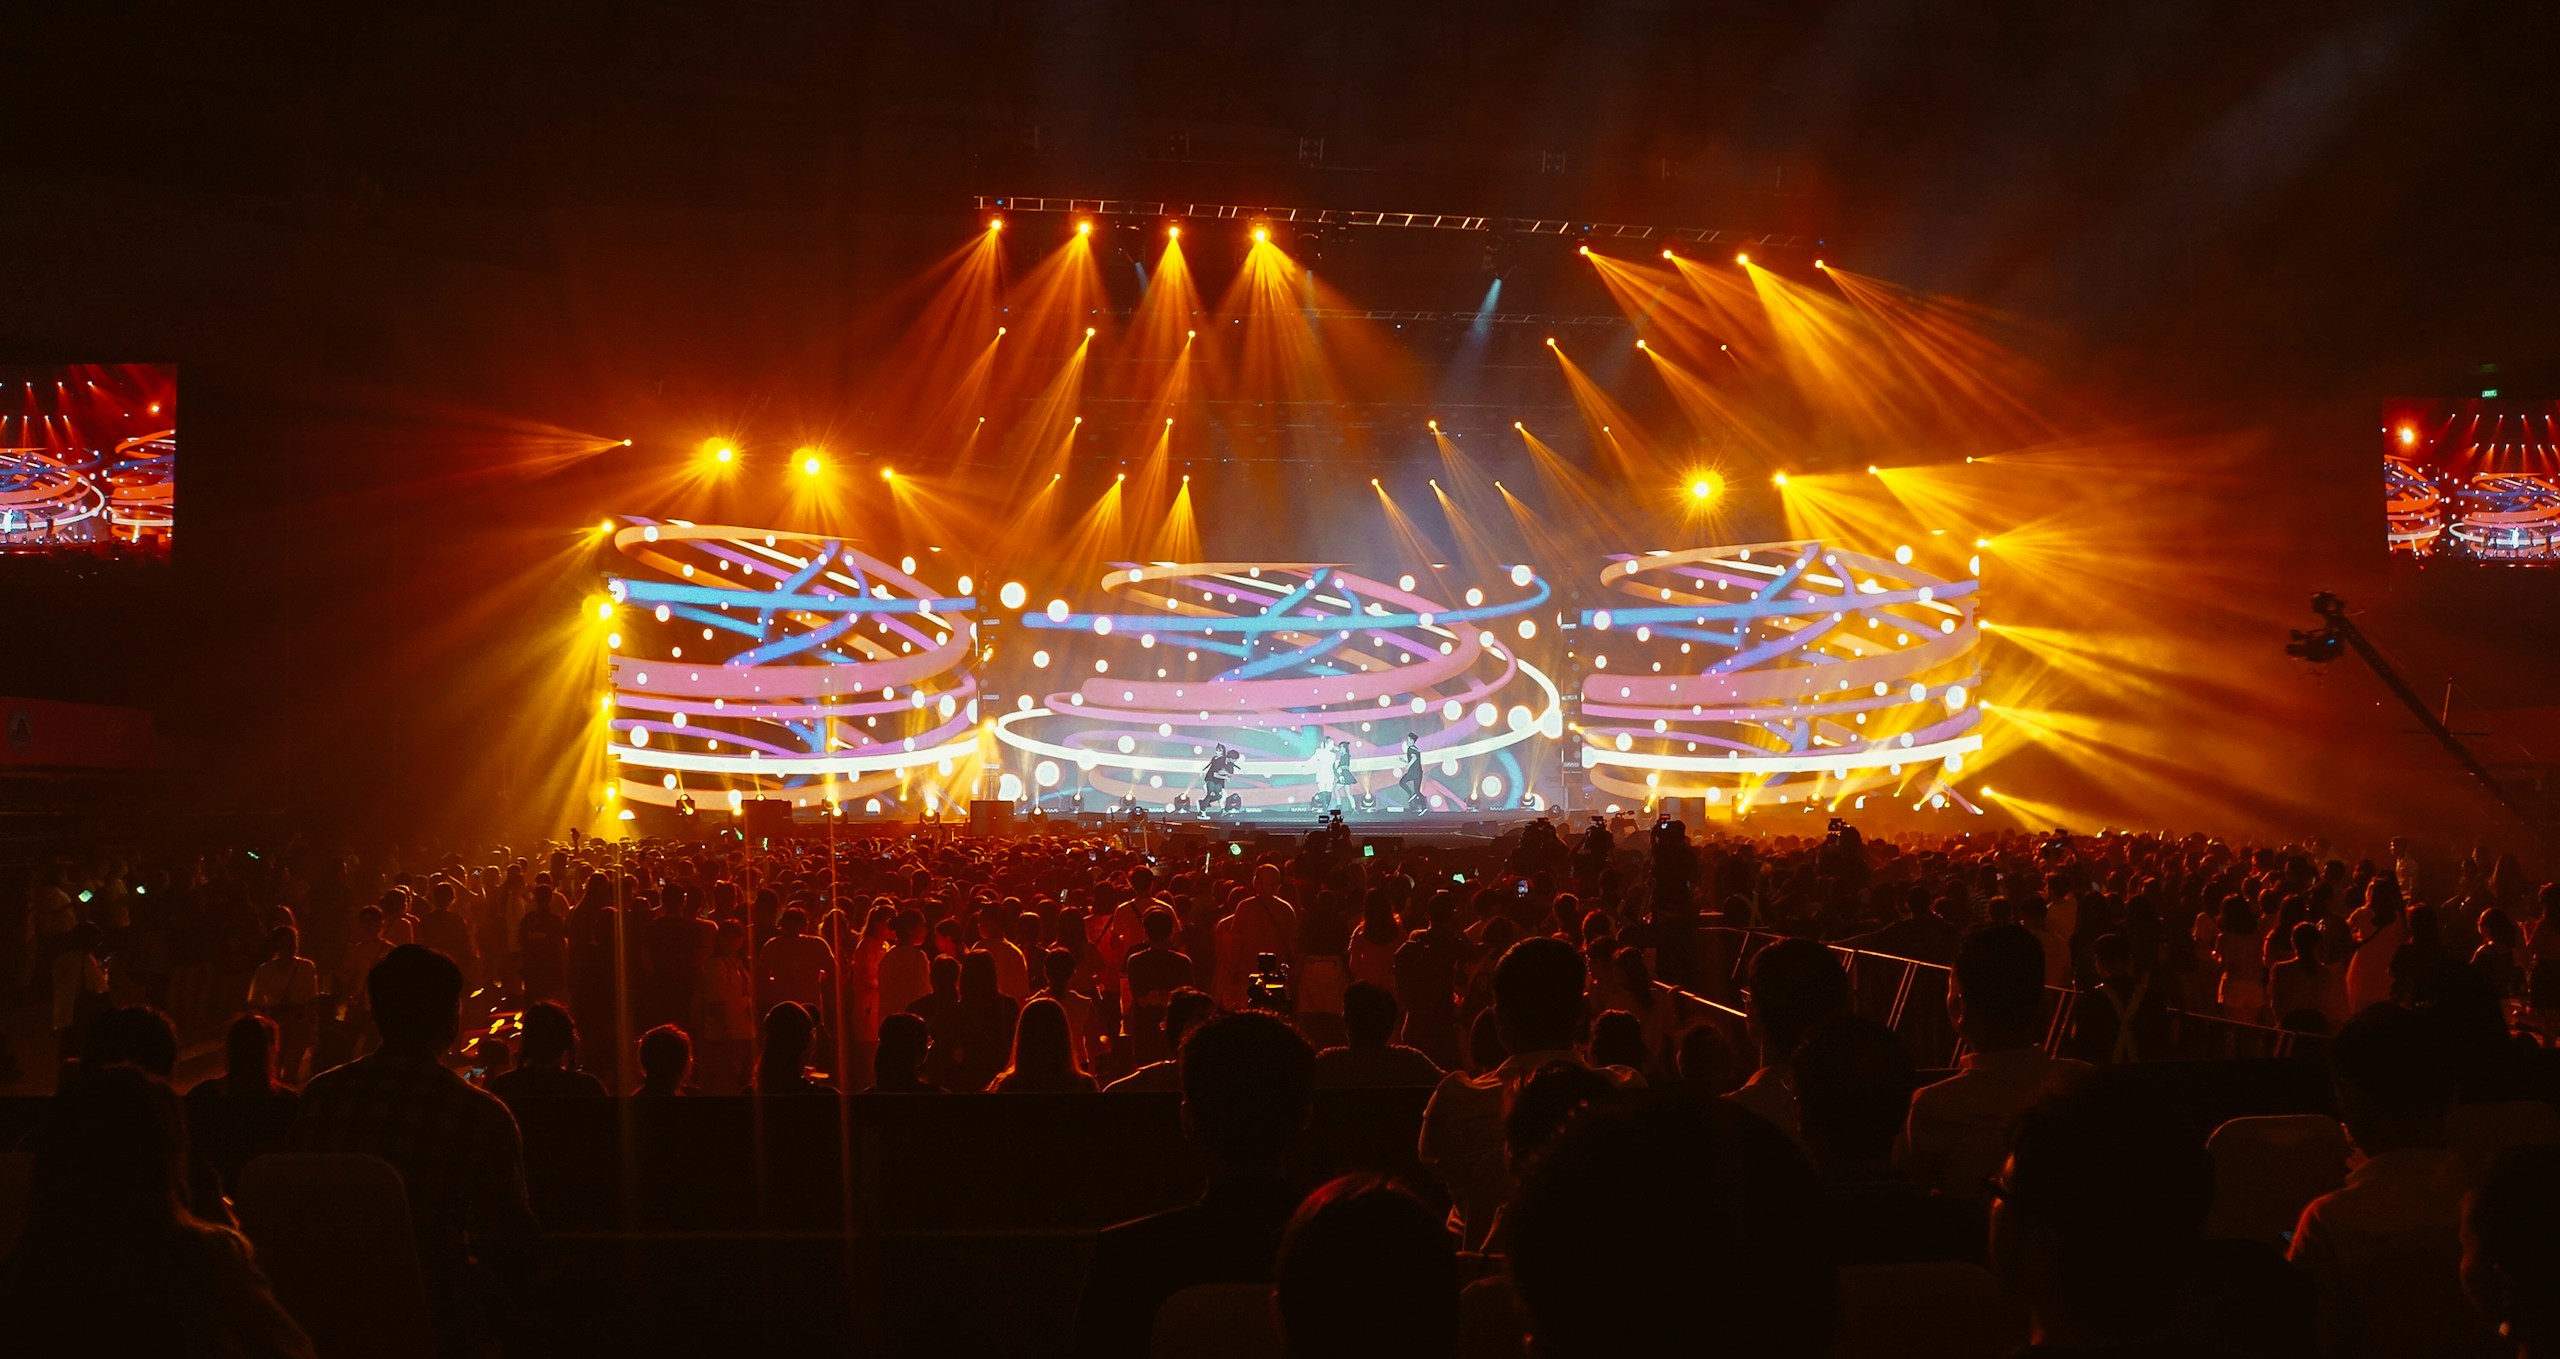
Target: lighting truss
x,y
1413,221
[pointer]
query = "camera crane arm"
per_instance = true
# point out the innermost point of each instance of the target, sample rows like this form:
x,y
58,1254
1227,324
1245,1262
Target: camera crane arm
x,y
2340,633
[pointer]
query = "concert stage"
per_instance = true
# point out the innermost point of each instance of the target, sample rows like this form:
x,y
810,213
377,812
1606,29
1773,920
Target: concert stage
x,y
1751,678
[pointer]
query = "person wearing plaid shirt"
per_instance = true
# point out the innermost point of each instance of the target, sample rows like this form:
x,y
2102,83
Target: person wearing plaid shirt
x,y
456,1147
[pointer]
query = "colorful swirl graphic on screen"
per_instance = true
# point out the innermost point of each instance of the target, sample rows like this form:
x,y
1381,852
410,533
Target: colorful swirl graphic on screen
x,y
1277,660
1780,671
785,664
48,493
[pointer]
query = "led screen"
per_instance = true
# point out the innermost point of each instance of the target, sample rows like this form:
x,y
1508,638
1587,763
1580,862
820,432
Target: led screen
x,y
88,458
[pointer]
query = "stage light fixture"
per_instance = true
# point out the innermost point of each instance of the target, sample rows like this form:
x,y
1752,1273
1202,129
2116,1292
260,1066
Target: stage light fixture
x,y
726,454
625,443
1584,250
1088,332
1120,476
1084,228
1778,480
888,474
809,466
1704,488
1520,427
1666,254
1173,232
605,527
1818,264
1551,342
1641,345
1742,259
999,332
2408,435
995,224
1260,235
1432,425
1191,334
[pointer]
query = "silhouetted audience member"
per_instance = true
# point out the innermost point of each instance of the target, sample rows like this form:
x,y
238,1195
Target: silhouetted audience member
x,y
1184,1010
666,1059
546,1060
1617,1039
1371,1059
1795,984
131,1035
1853,1081
1681,1225
971,1046
1959,1126
1366,1271
2123,1017
1154,973
2384,1250
782,1067
456,1147
1044,1055
2097,1219
2511,1249
897,1068
231,1116
1707,1060
110,1261
1248,1082
1547,1103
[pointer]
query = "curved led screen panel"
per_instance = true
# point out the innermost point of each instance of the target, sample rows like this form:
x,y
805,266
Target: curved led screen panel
x,y
769,663
1780,672
1278,660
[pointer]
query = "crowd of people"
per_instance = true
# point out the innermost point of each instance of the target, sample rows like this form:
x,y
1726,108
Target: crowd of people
x,y
1601,1140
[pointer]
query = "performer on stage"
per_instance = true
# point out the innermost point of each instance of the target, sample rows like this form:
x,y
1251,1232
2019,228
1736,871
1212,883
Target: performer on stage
x,y
1213,780
1346,792
1411,782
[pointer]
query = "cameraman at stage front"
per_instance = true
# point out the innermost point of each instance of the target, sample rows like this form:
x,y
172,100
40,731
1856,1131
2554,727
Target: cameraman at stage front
x,y
1675,910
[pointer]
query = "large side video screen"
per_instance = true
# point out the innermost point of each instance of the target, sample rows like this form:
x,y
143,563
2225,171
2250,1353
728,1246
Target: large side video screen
x,y
2472,480
88,458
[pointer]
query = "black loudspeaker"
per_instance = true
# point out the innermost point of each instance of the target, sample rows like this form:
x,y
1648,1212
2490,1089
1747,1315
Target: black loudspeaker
x,y
990,816
768,819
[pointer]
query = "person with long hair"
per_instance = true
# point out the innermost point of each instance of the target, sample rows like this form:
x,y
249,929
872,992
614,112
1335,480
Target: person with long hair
x,y
546,1059
1044,1056
783,1067
111,1261
286,989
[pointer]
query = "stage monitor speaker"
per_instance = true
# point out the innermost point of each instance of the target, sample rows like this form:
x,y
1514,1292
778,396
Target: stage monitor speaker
x,y
990,816
768,818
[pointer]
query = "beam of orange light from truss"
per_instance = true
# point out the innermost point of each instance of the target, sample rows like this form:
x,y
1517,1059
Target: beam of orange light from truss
x,y
1832,357
1536,529
1411,546
1149,488
1178,534
1099,534
1606,423
1470,504
1579,499
1715,415
1726,307
914,387
1964,354
1046,434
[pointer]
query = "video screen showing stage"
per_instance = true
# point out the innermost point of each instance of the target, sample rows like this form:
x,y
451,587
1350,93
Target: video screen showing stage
x,y
2472,480
88,458
768,666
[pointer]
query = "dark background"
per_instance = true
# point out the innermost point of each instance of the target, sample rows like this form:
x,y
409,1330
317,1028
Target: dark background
x,y
416,265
